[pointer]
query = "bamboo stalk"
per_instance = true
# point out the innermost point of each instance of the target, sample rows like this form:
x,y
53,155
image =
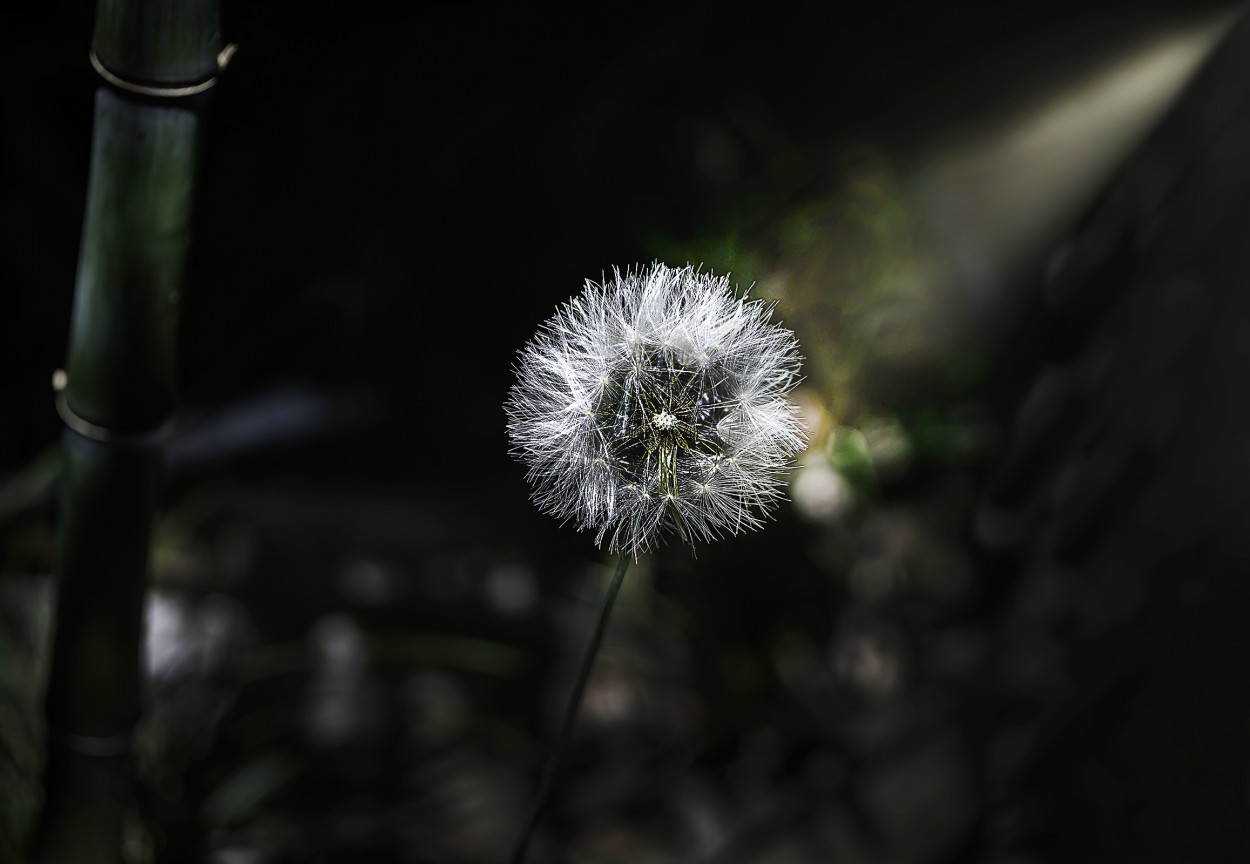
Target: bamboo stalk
x,y
121,363
120,394
169,43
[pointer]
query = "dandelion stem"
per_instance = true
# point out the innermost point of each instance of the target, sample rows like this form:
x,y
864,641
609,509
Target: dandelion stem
x,y
570,710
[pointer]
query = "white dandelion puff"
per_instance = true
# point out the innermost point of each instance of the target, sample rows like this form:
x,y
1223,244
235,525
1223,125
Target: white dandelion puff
x,y
656,402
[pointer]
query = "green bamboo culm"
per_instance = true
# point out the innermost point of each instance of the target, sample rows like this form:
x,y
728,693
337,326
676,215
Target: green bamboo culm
x,y
118,395
167,44
571,710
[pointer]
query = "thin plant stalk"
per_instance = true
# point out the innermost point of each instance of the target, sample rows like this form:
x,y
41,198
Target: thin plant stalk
x,y
571,709
116,398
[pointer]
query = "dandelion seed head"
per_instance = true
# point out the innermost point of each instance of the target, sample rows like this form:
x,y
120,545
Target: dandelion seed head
x,y
656,403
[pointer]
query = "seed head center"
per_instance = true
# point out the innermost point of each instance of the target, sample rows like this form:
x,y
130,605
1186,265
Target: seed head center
x,y
663,421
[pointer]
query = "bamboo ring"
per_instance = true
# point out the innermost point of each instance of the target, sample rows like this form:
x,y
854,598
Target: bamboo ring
x,y
223,58
104,435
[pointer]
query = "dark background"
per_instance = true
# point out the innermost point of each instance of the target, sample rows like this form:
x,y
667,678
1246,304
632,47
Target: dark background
x,y
369,631
396,196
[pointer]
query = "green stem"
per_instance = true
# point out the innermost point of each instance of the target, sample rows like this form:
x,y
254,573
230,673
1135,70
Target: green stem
x,y
570,710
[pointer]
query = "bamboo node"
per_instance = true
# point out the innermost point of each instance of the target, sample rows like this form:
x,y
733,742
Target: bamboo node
x,y
104,435
142,89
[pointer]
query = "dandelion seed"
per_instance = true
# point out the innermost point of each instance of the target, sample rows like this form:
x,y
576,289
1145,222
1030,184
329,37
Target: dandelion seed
x,y
656,403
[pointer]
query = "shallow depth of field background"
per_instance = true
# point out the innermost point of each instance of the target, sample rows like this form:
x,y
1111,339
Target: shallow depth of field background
x,y
361,634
